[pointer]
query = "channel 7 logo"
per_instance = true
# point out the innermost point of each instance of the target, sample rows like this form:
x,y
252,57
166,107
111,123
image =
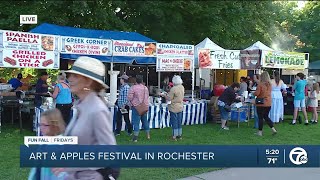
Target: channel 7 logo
x,y
298,156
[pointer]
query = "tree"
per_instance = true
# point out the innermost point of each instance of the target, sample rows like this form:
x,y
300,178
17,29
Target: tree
x,y
307,28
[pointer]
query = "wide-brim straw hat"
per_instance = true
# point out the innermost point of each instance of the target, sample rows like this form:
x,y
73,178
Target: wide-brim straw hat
x,y
91,68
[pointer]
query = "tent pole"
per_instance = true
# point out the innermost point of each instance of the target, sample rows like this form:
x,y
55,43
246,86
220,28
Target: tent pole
x,y
159,79
147,71
192,77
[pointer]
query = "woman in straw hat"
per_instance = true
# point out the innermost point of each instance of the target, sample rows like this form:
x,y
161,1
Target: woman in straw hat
x,y
92,121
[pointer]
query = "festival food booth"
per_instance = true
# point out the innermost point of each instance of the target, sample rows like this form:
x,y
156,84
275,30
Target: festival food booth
x,y
225,60
25,50
213,79
288,63
180,58
117,48
259,57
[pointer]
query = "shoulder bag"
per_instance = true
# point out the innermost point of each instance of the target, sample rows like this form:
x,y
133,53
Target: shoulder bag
x,y
259,100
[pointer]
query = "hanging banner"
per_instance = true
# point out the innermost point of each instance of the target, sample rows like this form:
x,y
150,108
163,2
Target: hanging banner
x,y
283,60
174,57
134,48
219,59
29,50
86,46
250,59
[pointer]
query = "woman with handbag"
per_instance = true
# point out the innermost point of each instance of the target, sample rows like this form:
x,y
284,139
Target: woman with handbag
x,y
224,103
92,121
138,97
263,102
176,96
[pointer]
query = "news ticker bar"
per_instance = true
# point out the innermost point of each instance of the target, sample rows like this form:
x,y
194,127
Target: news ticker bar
x,y
169,156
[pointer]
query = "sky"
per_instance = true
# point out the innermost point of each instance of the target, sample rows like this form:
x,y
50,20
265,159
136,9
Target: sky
x,y
301,4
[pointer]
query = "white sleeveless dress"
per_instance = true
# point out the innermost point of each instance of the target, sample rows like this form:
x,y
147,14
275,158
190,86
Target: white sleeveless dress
x,y
277,107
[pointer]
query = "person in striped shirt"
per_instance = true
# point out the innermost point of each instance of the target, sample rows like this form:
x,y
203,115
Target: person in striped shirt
x,y
123,108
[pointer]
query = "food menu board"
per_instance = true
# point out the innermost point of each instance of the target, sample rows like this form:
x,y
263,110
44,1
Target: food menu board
x,y
134,48
174,57
86,46
250,59
219,59
29,50
283,60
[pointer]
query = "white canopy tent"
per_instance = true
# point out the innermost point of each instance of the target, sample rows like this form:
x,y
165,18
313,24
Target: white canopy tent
x,y
204,73
259,45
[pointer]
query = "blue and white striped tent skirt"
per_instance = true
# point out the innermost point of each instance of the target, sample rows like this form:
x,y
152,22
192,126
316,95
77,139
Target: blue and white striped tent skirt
x,y
158,116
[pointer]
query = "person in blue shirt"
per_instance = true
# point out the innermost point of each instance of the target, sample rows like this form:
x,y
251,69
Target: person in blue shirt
x,y
41,88
63,97
123,108
16,82
299,98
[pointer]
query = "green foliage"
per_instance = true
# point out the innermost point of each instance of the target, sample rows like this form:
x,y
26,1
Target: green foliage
x,y
230,24
307,28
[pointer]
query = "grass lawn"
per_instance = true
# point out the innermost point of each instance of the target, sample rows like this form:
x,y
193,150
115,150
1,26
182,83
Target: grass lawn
x,y
10,139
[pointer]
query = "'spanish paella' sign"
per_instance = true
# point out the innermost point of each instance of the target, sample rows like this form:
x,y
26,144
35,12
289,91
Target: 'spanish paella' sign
x,y
29,50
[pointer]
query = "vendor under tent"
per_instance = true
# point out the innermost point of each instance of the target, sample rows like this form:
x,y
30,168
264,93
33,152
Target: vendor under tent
x,y
25,50
122,42
117,48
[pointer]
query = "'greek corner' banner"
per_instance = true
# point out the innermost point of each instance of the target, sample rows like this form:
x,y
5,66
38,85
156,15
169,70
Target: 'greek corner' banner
x,y
169,156
283,60
86,46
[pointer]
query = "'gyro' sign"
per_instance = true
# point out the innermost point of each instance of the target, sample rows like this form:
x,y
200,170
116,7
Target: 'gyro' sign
x,y
29,50
86,46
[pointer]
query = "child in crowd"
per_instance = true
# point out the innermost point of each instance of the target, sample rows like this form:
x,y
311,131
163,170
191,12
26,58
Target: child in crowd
x,y
313,103
51,124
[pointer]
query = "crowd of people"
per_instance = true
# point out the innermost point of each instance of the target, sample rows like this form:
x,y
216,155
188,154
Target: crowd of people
x,y
92,122
269,92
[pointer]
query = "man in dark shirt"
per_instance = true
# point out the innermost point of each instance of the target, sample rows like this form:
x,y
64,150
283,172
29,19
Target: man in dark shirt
x,y
16,82
224,102
41,88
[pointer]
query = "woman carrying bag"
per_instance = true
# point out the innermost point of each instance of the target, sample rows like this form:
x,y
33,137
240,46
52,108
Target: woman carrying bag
x,y
263,102
138,97
92,121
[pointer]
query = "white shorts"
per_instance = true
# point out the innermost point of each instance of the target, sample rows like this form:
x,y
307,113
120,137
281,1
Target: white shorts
x,y
299,103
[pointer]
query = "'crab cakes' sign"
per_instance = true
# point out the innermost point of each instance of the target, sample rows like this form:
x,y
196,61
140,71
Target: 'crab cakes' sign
x,y
86,46
134,48
29,50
